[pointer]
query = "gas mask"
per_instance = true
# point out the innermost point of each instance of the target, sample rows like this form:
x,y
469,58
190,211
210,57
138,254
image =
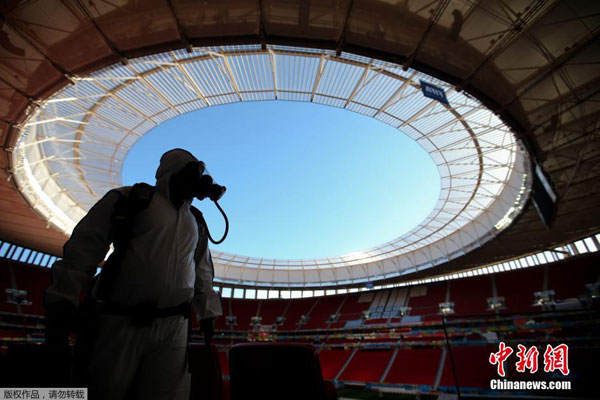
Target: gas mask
x,y
198,183
208,188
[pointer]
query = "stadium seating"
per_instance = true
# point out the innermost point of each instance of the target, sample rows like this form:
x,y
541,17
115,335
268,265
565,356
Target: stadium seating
x,y
244,310
428,300
271,309
35,280
394,350
5,283
296,309
569,282
319,315
366,366
220,321
415,366
332,361
470,295
27,277
471,365
351,310
517,288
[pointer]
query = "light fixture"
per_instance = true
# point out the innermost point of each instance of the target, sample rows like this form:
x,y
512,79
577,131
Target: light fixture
x,y
447,308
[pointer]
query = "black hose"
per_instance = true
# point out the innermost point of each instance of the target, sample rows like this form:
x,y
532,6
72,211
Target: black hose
x,y
226,226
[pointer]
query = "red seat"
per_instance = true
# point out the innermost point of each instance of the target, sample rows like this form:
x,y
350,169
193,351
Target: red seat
x,y
277,371
207,379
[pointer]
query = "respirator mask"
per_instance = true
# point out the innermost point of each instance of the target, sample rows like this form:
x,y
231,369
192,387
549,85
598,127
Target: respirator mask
x,y
204,186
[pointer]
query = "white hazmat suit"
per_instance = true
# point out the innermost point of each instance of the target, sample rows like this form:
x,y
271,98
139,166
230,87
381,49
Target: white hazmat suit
x,y
163,265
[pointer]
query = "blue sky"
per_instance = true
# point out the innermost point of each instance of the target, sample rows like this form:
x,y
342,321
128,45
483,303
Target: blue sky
x,y
303,180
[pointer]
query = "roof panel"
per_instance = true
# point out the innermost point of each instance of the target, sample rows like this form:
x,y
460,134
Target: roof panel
x,y
91,128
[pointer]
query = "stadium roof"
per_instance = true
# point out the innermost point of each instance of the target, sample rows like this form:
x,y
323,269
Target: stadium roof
x,y
534,63
71,149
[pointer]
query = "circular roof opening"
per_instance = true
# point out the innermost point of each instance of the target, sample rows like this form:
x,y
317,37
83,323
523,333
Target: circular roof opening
x,y
71,149
304,180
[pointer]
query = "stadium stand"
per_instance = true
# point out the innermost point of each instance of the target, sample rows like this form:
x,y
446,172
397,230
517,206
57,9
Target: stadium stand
x,y
351,310
407,351
414,366
517,289
295,310
326,306
469,295
243,310
366,366
271,309
569,282
520,80
6,281
21,276
425,300
472,367
332,360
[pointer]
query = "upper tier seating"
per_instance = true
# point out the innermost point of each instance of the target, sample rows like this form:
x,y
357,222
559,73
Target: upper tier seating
x,y
32,278
271,309
517,288
469,295
426,302
319,315
297,308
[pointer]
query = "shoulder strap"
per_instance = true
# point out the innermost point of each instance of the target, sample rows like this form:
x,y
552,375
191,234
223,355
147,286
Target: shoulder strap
x,y
126,208
199,220
202,231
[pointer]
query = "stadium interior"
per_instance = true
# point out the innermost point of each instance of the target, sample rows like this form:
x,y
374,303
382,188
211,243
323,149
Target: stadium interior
x,y
509,255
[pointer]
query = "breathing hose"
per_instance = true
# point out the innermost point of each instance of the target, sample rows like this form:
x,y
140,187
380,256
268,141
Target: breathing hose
x,y
226,226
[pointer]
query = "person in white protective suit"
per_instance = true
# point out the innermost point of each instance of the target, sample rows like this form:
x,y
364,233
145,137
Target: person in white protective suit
x,y
165,266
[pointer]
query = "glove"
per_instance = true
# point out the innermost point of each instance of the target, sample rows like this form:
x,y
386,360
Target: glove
x,y
60,321
208,328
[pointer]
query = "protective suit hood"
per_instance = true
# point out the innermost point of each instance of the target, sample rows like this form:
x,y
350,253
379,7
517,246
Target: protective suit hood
x,y
171,162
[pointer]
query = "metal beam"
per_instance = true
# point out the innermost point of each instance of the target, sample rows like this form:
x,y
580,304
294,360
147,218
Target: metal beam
x,y
150,86
397,93
262,34
520,26
227,71
191,80
68,74
92,113
572,96
180,30
442,5
447,124
115,96
320,71
359,85
558,63
111,45
415,116
341,40
273,70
